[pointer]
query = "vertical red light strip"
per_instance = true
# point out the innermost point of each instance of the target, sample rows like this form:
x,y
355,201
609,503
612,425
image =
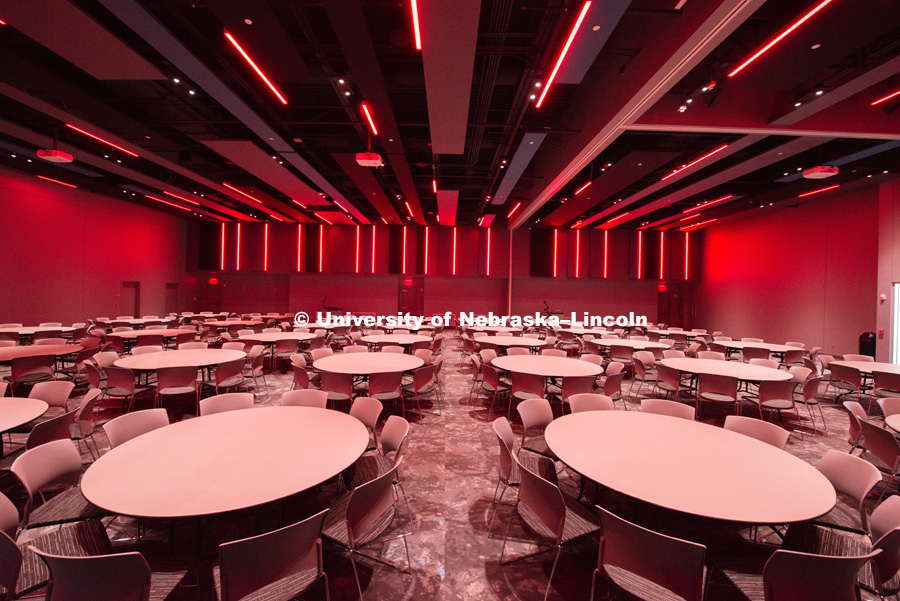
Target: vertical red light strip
x,y
415,16
299,245
605,252
357,249
404,249
640,270
373,249
577,251
488,262
662,239
239,247
426,251
555,240
687,253
266,247
454,250
222,258
321,238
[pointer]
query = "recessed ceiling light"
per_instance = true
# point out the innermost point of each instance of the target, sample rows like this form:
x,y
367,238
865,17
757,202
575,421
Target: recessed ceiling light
x,y
532,96
819,92
815,46
797,103
340,81
537,84
595,28
347,93
191,92
248,21
176,80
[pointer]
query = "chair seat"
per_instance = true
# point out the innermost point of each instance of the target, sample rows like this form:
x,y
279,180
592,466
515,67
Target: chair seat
x,y
68,506
174,390
282,590
779,404
579,521
841,517
843,385
537,444
886,393
122,392
717,397
524,396
881,465
335,526
640,587
366,469
809,538
30,378
748,579
78,539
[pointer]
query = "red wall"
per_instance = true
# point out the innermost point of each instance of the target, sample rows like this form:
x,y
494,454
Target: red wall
x,y
806,274
66,252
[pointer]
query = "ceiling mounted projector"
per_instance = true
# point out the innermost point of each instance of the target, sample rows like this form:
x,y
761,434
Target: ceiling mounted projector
x,y
54,156
820,172
369,159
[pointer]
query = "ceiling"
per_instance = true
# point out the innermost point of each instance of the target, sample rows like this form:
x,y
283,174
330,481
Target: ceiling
x,y
654,118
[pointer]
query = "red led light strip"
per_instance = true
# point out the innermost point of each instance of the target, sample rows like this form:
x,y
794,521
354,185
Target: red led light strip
x,y
555,256
404,250
299,204
426,251
357,249
238,251
99,139
230,187
373,249
266,247
577,251
706,204
605,252
56,181
694,162
819,190
454,250
687,253
565,50
299,244
191,202
582,188
321,239
689,217
780,36
488,266
323,219
888,97
514,209
617,218
415,17
222,257
255,68
365,109
408,210
2,22
434,185
662,241
640,271
696,225
165,202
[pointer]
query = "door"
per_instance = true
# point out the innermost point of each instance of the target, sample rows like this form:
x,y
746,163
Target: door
x,y
171,298
412,296
130,299
213,298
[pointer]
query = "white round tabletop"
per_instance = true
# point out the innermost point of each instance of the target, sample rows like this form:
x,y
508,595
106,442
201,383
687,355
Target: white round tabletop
x,y
224,324
638,345
583,331
185,358
359,364
8,353
691,467
735,369
870,366
164,332
143,322
204,466
772,348
15,411
497,329
893,421
273,337
275,316
32,330
511,341
401,339
549,367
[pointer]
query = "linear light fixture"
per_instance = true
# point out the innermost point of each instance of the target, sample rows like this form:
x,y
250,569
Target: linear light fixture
x,y
694,226
222,255
687,253
694,162
689,217
617,217
173,195
321,239
230,187
434,186
171,204
404,250
514,209
707,204
266,247
415,17
299,204
562,55
426,251
605,252
640,267
781,36
238,250
365,108
299,245
408,210
357,249
454,250
555,246
488,266
99,139
323,219
826,189
373,248
56,181
259,72
662,249
582,188
886,98
577,251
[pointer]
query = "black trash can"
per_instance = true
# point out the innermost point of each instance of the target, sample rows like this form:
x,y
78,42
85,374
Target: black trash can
x,y
867,344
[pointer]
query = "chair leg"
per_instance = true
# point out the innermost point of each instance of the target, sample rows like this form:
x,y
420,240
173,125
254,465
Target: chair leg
x,y
356,576
552,571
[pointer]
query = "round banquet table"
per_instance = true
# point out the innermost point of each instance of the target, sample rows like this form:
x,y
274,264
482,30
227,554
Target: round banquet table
x,y
638,345
204,466
32,330
140,323
164,332
15,411
691,467
363,364
512,341
269,338
495,329
276,317
8,353
401,339
893,421
225,324
741,371
549,367
583,331
772,348
867,367
186,358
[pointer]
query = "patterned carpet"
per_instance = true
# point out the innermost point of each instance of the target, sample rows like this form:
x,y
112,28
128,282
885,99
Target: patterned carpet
x,y
449,475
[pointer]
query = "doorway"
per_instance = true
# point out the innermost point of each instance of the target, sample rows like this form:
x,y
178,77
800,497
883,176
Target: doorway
x,y
130,299
411,298
171,298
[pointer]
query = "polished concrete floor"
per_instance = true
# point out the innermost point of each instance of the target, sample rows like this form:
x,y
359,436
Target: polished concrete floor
x,y
450,477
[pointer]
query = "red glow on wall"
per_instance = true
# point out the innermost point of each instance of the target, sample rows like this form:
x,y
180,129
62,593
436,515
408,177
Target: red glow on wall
x,y
2,22
222,252
582,188
703,205
886,98
426,251
321,241
555,250
565,50
695,161
780,36
299,245
357,249
662,250
166,202
259,72
238,250
99,139
661,287
266,247
213,281
454,250
404,250
514,209
415,17
173,195
640,267
488,264
230,187
605,252
687,254
577,252
818,191
373,248
56,181
365,108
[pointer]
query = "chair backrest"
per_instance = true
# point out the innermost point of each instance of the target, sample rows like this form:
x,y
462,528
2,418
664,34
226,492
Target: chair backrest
x,y
592,358
367,410
590,402
754,352
386,382
543,499
120,377
232,401
146,349
811,388
305,397
117,577
395,430
527,383
318,353
84,415
670,408
301,376
357,348
758,429
716,355
889,405
856,414
49,341
855,357
233,346
885,380
842,373
339,383
554,352
535,413
799,373
57,463
614,367
770,363
672,563
369,503
795,576
612,385
9,522
106,358
391,348
131,425
621,352
776,391
881,443
717,384
25,366
169,377
851,476
646,357
57,428
506,438
673,354
55,394
576,385
250,564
